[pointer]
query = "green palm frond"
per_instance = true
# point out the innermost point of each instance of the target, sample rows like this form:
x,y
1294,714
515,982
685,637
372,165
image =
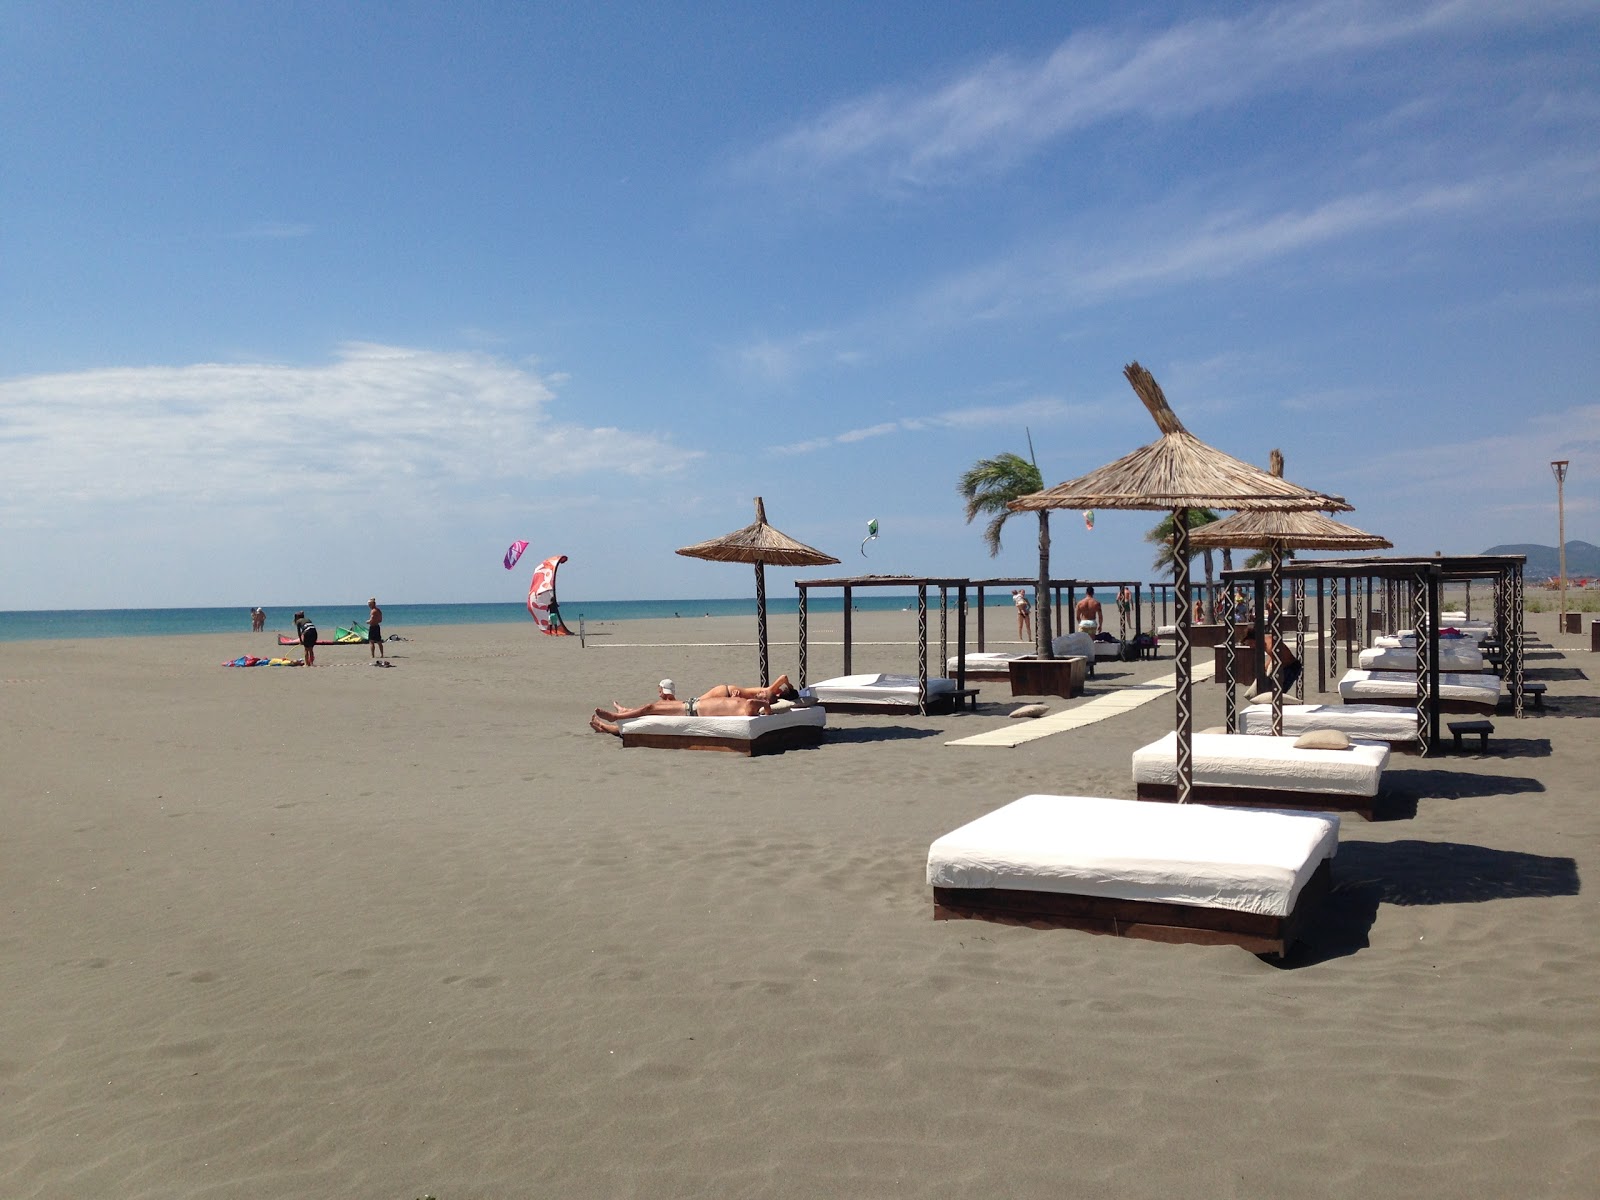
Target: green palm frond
x,y
990,484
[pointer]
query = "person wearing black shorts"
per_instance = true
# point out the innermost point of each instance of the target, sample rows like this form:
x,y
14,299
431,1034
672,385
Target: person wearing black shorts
x,y
375,629
307,629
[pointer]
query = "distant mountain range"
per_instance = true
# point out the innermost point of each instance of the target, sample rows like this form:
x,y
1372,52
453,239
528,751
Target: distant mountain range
x,y
1583,560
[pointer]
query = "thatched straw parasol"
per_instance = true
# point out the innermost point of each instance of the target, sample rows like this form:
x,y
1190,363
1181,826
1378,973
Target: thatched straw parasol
x,y
1178,472
759,543
1277,532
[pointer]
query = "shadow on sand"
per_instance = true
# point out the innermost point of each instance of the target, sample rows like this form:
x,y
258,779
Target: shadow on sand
x,y
1552,674
878,733
1367,875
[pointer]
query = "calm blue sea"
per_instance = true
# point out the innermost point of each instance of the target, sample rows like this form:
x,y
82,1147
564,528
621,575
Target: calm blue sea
x,y
167,622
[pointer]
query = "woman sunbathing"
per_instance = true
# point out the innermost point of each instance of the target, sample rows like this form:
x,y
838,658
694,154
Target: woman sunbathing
x,y
724,700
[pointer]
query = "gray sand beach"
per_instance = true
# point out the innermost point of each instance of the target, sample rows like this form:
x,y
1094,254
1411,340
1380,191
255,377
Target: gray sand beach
x,y
358,932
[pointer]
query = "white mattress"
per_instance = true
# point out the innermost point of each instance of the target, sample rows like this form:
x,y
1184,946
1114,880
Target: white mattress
x,y
1104,650
876,689
744,728
1408,640
1249,760
1367,685
989,662
1457,654
1252,861
1379,722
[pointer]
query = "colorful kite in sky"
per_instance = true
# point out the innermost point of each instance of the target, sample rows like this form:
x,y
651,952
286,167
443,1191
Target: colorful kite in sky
x,y
872,535
514,553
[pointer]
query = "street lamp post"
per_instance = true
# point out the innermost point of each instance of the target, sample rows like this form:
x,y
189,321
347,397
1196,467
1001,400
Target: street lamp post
x,y
1559,468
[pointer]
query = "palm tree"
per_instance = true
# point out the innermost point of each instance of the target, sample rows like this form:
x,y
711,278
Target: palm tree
x,y
987,487
1161,536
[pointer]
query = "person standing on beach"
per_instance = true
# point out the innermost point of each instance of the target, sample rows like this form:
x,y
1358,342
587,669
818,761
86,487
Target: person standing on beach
x,y
375,629
1024,615
307,629
1088,609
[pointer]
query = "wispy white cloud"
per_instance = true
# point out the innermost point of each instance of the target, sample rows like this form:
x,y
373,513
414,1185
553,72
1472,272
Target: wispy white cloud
x,y
1038,410
379,426
1005,109
1511,462
1165,246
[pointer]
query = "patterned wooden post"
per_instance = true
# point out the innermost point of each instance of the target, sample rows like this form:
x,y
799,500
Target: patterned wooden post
x,y
761,621
1424,637
944,627
1513,641
1180,577
1275,629
1230,703
802,667
1300,634
922,648
1322,636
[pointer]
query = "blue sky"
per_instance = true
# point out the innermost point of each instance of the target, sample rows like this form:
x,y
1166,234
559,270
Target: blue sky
x,y
306,302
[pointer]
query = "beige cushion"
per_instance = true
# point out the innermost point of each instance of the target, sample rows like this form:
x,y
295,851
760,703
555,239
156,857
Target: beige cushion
x,y
1261,698
1030,710
1323,739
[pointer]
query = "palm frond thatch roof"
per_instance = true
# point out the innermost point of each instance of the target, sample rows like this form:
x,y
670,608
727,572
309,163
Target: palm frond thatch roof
x,y
1266,530
759,542
1289,530
1177,470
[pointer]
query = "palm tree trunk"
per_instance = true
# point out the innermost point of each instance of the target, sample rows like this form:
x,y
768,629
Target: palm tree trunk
x,y
1041,606
1211,590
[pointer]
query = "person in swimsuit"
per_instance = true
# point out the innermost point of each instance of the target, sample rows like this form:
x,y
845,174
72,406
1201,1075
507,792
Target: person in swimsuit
x,y
1024,615
1088,609
375,628
307,629
724,700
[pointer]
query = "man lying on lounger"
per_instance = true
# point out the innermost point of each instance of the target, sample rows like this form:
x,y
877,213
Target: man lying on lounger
x,y
724,700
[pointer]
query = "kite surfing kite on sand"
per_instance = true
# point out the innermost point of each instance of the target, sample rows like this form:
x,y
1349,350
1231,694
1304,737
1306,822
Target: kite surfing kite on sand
x,y
514,553
542,598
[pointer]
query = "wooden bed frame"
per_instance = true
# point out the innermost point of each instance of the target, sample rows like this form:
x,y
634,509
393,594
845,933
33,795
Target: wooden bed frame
x,y
1154,921
774,741
1250,797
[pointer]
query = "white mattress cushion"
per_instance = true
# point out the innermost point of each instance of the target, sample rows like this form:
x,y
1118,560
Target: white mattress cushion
x,y
1251,760
1477,689
877,689
1251,860
743,728
980,660
1456,654
1379,722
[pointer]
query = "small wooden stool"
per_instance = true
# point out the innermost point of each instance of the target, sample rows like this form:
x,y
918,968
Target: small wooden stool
x,y
1535,690
1480,727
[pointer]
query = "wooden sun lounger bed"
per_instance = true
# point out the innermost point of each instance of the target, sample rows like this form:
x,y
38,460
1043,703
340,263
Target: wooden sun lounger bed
x,y
773,734
1192,874
883,694
1458,693
1252,771
1372,722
